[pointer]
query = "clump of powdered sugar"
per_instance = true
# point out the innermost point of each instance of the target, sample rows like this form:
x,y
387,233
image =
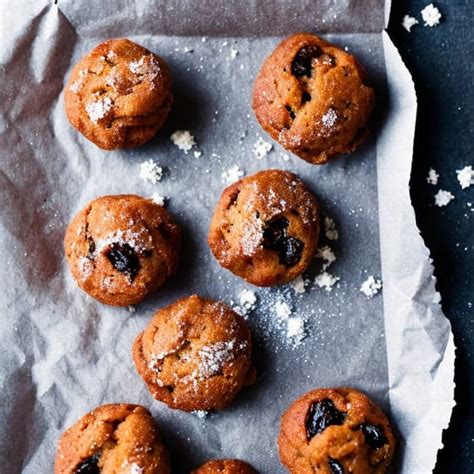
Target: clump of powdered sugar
x,y
296,330
76,85
150,171
329,119
247,302
139,241
330,229
431,15
233,174
98,109
327,255
201,414
261,148
159,199
465,177
371,286
184,140
299,285
443,198
408,22
326,280
432,177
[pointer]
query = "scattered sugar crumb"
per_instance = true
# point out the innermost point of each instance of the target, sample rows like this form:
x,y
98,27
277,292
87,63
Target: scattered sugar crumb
x,y
371,286
261,148
432,177
443,198
131,309
183,140
408,22
326,280
330,118
98,109
214,356
431,15
150,171
233,54
247,302
201,414
282,309
232,175
296,330
197,154
465,176
285,157
299,285
325,253
330,229
158,199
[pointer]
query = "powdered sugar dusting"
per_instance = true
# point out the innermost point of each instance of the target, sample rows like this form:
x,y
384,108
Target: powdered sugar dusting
x,y
371,286
232,175
329,119
261,148
150,171
326,280
465,177
184,140
98,109
213,357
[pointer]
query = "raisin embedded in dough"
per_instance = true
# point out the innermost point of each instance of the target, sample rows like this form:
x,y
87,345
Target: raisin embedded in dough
x,y
121,248
335,431
119,95
312,98
225,466
265,228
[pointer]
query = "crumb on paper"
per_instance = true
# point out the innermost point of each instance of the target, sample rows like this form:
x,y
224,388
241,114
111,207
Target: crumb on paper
x,y
150,171
233,54
200,414
465,176
159,199
327,255
299,285
330,229
285,157
183,139
443,198
431,15
371,286
197,154
232,175
326,280
296,330
432,177
261,148
409,22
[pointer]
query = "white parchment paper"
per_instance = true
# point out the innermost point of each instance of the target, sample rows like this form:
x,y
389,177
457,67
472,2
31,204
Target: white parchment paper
x,y
62,353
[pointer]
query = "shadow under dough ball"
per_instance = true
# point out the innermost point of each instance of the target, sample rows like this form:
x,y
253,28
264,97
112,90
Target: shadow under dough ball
x,y
119,95
195,355
312,98
265,228
112,436
225,466
121,248
335,431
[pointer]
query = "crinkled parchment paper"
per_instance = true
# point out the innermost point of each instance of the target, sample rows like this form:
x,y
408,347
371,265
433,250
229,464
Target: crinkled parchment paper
x,y
62,353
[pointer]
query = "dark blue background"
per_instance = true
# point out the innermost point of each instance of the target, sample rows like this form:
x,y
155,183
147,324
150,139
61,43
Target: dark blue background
x,y
441,60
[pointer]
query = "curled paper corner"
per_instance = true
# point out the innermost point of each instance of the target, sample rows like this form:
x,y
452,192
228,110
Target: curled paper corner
x,y
420,343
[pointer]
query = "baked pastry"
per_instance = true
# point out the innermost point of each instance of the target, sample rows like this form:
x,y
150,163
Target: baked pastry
x,y
335,431
265,228
225,466
119,95
195,354
312,98
112,439
122,248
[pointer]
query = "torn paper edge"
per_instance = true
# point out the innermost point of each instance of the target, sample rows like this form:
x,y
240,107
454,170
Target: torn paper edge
x,y
421,383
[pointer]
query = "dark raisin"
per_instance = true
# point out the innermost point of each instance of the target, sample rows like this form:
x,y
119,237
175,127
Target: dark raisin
x,y
290,111
321,415
305,97
335,467
301,64
373,435
91,246
89,466
124,259
275,237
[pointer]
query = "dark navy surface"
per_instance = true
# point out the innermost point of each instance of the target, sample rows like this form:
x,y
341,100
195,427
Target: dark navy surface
x,y
441,60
